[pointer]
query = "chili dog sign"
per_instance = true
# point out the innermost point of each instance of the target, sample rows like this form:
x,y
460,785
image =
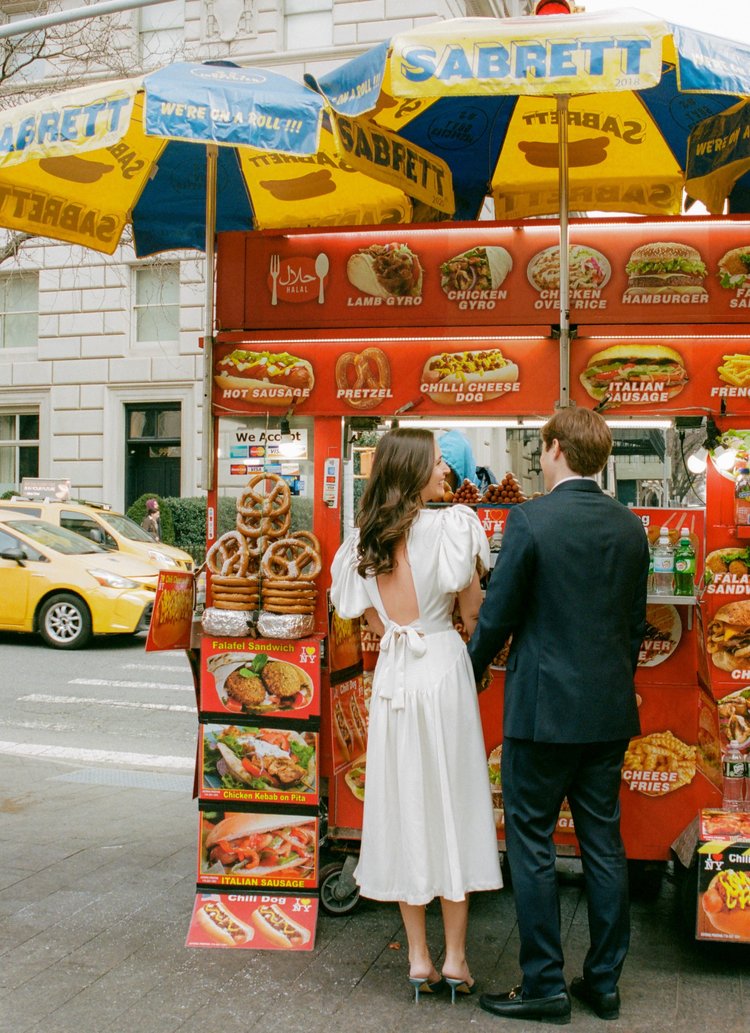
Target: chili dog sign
x,y
250,922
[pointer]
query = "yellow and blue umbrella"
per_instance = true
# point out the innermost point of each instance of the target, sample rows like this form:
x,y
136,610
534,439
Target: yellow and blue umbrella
x,y
456,111
81,165
547,114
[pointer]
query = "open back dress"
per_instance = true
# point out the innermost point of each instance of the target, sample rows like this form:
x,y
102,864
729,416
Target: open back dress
x,y
428,828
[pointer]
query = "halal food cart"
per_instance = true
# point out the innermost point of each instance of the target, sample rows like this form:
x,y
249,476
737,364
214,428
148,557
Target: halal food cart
x,y
324,340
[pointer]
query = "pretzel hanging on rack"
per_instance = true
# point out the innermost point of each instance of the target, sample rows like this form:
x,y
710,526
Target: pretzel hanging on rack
x,y
229,555
264,508
296,558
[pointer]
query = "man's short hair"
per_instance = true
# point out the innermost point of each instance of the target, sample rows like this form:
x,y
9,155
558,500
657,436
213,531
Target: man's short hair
x,y
584,438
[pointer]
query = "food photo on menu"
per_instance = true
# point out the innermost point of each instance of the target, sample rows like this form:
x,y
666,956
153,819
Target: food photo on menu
x,y
257,849
481,269
734,268
257,684
258,763
588,268
252,922
666,271
475,376
386,271
634,374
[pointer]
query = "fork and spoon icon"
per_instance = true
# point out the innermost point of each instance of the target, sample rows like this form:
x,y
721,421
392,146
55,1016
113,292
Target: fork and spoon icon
x,y
322,266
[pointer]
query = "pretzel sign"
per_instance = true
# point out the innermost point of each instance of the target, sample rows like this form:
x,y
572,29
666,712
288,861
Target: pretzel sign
x,y
363,379
262,512
294,558
229,555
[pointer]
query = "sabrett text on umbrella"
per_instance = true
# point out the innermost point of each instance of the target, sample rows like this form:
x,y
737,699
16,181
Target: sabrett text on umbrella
x,y
375,147
66,125
46,210
523,61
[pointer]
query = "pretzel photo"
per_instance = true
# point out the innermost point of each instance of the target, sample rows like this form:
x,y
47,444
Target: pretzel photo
x,y
363,378
264,512
295,557
229,555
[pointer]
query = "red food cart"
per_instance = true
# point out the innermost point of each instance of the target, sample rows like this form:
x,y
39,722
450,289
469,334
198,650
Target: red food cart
x,y
324,337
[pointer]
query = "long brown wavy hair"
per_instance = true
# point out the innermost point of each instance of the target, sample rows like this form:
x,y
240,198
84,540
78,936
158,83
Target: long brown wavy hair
x,y
391,501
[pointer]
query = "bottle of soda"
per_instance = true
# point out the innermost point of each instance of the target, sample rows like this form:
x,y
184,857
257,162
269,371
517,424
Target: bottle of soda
x,y
650,587
733,771
663,564
684,565
742,497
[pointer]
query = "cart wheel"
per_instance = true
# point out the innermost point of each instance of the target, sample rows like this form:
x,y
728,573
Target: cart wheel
x,y
339,893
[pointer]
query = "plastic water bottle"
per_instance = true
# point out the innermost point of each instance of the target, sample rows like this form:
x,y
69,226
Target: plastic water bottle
x,y
663,564
684,565
733,771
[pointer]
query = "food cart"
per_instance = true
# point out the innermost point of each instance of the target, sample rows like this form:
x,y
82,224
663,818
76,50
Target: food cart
x,y
324,336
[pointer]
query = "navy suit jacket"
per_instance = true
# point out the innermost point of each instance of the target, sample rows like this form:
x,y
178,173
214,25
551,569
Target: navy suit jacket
x,y
570,586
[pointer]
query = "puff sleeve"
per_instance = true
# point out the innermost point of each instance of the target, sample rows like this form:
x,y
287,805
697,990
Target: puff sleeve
x,y
348,589
462,548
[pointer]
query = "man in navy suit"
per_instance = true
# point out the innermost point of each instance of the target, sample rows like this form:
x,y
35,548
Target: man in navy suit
x,y
570,587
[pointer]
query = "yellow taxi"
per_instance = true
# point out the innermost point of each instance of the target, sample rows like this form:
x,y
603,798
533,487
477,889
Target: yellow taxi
x,y
114,531
66,588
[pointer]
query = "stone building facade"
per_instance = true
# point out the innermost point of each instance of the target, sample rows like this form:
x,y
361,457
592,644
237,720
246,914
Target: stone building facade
x,y
100,366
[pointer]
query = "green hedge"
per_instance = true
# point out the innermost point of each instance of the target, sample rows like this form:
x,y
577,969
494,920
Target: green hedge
x,y
188,519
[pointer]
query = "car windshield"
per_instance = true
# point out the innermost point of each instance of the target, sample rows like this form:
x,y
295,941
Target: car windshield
x,y
127,528
57,538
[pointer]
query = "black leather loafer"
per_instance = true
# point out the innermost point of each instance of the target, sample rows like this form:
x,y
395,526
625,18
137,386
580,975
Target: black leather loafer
x,y
513,1005
606,1006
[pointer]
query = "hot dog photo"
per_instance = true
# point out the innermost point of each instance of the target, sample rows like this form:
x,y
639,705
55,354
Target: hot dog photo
x,y
274,378
238,848
483,374
253,922
726,903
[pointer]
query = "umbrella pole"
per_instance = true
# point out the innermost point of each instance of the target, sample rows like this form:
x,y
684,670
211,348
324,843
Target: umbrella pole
x,y
207,444
562,147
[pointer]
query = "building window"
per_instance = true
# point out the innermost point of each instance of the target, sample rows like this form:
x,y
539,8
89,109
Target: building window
x,y
308,24
161,32
19,448
19,310
157,303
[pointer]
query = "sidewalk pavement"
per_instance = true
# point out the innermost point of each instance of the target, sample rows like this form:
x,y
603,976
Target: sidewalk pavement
x,y
96,889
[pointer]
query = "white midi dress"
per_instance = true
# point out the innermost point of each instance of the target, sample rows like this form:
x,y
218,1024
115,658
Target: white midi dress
x,y
428,828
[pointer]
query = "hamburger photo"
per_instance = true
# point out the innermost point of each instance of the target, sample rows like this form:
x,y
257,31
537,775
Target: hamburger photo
x,y
666,267
728,636
608,371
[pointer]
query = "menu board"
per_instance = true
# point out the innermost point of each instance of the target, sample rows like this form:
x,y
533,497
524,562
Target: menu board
x,y
257,764
260,678
244,848
621,271
253,922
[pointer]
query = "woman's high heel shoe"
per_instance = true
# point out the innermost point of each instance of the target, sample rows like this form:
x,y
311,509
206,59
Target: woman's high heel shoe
x,y
459,986
422,985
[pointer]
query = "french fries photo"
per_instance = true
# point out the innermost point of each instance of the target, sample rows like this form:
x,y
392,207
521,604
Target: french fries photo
x,y
735,370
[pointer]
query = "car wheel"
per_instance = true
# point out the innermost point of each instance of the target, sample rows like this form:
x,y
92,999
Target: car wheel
x,y
65,622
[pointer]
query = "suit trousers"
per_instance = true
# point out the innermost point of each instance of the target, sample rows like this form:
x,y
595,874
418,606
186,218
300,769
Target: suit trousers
x,y
536,777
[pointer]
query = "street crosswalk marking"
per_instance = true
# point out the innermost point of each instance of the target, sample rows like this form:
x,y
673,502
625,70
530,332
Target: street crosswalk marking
x,y
109,683
176,668
80,754
40,697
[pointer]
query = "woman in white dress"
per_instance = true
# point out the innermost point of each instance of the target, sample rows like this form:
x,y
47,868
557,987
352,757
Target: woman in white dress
x,y
428,828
